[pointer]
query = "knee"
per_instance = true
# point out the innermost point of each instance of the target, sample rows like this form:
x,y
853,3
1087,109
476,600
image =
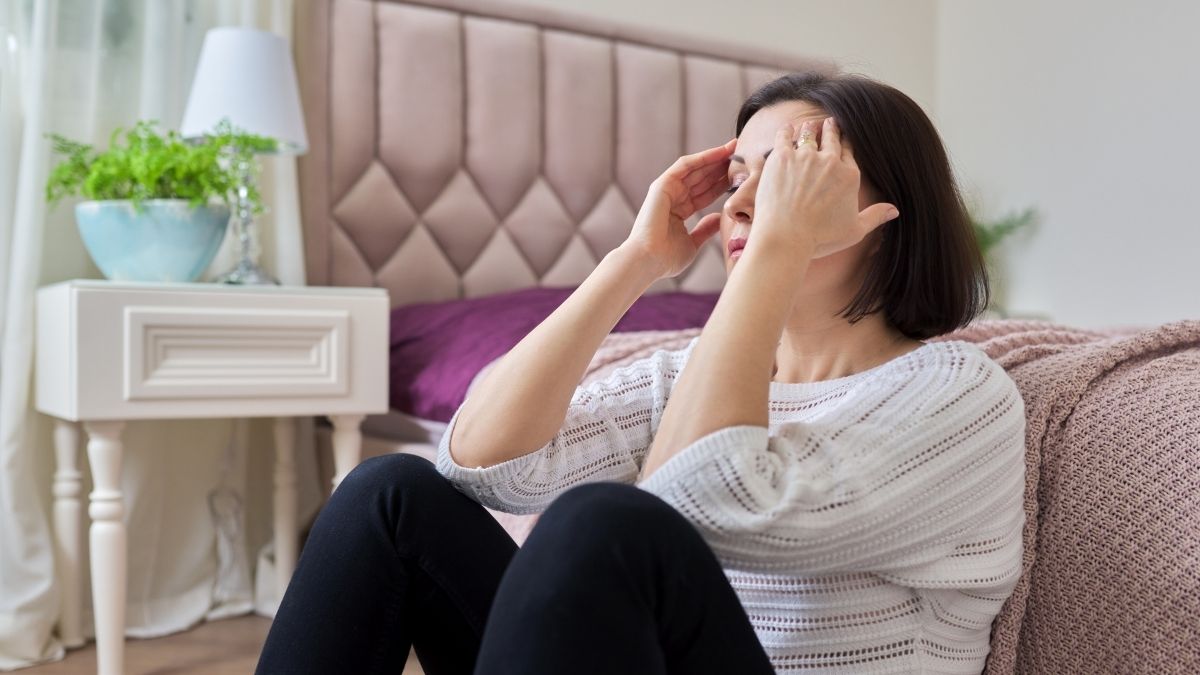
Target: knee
x,y
387,474
400,494
608,514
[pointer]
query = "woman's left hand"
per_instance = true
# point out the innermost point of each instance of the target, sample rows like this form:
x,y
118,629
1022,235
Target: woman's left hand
x,y
807,196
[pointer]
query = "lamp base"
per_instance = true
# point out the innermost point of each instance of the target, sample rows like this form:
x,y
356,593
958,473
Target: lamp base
x,y
248,273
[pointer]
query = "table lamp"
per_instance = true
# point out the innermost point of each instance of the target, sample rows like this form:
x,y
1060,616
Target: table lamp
x,y
246,76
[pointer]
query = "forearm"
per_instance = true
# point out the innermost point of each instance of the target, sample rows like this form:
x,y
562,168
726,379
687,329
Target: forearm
x,y
522,401
726,381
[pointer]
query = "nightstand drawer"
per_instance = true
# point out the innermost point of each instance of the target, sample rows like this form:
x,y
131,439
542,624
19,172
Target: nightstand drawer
x,y
221,352
109,350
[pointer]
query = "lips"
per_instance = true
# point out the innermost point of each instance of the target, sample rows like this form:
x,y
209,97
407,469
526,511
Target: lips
x,y
736,244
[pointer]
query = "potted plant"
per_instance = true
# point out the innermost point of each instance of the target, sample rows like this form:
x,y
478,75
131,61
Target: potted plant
x,y
989,235
157,207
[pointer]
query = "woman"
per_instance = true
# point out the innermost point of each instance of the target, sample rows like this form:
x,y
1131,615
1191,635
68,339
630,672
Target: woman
x,y
815,487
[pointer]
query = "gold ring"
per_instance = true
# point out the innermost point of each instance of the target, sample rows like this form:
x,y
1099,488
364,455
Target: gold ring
x,y
804,138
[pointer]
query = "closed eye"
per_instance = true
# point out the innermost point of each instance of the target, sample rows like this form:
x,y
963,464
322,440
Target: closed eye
x,y
733,188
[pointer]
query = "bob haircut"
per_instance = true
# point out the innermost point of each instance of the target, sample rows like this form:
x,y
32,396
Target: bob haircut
x,y
929,276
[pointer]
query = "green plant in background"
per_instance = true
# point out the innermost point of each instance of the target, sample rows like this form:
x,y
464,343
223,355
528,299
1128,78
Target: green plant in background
x,y
990,234
151,165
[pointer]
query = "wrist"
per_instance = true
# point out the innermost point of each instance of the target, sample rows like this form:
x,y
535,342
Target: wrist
x,y
636,263
779,253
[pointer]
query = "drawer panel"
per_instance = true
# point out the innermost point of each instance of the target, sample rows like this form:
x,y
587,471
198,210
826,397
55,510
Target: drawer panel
x,y
197,352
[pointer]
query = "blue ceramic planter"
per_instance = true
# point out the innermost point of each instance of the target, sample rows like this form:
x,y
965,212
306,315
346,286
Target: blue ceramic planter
x,y
167,240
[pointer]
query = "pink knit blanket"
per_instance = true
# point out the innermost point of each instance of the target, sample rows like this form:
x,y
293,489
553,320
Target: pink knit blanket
x,y
1111,578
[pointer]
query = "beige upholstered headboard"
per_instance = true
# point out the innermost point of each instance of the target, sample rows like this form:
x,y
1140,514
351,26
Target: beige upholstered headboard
x,y
461,148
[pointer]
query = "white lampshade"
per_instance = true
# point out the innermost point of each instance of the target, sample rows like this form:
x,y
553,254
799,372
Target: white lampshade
x,y
246,76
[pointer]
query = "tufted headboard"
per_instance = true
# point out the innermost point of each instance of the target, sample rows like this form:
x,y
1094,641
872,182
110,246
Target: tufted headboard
x,y
461,148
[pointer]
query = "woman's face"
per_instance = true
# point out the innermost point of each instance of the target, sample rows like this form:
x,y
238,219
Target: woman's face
x,y
737,215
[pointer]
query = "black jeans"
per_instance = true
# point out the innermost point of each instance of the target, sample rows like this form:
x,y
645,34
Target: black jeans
x,y
611,580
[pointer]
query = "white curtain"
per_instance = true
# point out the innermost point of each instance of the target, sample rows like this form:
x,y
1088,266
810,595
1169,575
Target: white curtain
x,y
82,68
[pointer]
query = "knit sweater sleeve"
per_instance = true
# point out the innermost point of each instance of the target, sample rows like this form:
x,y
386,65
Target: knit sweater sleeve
x,y
918,480
605,435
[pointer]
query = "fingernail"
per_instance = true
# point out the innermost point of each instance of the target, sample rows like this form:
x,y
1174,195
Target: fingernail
x,y
892,213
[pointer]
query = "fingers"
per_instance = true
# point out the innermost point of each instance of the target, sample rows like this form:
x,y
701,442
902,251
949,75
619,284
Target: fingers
x,y
707,227
876,215
720,178
705,158
705,175
784,139
705,198
848,157
832,140
807,138
702,173
831,137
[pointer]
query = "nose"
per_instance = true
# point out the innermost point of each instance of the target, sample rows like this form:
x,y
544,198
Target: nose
x,y
740,205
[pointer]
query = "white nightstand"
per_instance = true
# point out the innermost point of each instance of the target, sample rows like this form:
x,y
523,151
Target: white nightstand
x,y
109,351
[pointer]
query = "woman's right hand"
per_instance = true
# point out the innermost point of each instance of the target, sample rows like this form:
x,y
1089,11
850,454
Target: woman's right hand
x,y
690,184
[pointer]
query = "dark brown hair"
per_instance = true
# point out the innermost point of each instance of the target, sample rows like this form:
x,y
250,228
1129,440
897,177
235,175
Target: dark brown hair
x,y
928,275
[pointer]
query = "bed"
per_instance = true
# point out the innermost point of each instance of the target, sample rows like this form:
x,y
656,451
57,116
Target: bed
x,y
477,159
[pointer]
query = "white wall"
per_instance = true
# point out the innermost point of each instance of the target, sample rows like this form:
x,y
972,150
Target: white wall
x,y
893,41
1090,112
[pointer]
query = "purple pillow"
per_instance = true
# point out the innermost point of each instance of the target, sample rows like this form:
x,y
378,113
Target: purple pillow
x,y
438,347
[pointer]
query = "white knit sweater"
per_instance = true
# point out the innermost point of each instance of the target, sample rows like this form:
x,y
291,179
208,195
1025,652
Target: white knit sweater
x,y
874,526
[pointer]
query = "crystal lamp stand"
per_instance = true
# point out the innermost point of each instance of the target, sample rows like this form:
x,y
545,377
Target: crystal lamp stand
x,y
246,270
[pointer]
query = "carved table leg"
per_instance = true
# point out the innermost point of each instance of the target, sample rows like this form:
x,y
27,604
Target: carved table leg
x,y
108,543
286,532
68,530
347,445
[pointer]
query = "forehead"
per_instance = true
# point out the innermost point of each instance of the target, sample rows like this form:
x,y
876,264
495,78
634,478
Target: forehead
x,y
758,135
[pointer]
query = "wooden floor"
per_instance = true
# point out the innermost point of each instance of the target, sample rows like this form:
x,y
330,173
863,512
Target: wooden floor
x,y
226,647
